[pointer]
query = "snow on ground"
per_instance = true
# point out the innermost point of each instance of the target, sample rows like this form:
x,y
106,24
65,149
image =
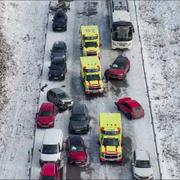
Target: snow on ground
x,y
160,32
23,28
133,130
22,38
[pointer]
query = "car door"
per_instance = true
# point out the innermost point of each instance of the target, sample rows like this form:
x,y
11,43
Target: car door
x,y
50,96
133,161
123,107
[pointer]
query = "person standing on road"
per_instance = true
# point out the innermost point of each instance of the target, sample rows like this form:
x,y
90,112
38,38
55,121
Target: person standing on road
x,y
106,75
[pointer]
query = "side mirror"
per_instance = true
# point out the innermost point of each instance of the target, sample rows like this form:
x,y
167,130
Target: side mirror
x,y
39,150
133,30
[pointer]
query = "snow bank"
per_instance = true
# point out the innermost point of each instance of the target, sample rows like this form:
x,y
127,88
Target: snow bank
x,y
160,31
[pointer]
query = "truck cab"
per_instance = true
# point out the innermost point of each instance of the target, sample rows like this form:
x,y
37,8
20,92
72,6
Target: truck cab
x,y
110,137
91,74
90,40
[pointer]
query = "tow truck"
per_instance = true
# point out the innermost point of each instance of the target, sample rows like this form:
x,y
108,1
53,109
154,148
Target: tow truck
x,y
90,40
110,137
91,75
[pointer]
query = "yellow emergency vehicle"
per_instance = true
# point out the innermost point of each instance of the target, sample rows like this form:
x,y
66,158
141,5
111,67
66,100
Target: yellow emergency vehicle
x,y
90,40
91,74
110,137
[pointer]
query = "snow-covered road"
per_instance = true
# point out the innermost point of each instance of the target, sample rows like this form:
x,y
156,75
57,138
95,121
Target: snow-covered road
x,y
23,26
136,133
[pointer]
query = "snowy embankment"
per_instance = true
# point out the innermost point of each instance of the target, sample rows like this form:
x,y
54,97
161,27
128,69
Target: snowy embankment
x,y
22,48
160,33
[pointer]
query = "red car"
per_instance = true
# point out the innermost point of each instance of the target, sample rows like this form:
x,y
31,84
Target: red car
x,y
119,68
76,151
131,108
46,115
51,171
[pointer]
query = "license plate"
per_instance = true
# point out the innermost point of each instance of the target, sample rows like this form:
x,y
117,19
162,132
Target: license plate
x,y
78,130
59,28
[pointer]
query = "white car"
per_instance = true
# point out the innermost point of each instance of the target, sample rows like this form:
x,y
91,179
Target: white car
x,y
141,165
52,146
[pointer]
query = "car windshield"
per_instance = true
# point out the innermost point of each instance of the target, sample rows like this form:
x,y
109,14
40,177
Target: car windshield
x,y
45,113
142,164
110,142
62,95
90,44
137,108
122,34
76,148
92,78
110,132
49,149
90,37
78,117
118,65
58,49
49,178
57,63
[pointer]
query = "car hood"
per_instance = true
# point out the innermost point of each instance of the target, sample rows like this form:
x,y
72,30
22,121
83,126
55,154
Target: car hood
x,y
45,119
56,69
78,156
93,83
50,157
116,71
78,124
59,21
143,172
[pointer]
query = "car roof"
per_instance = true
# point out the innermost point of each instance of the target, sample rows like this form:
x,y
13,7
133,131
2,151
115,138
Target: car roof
x,y
49,169
75,140
57,60
57,90
47,106
141,154
133,103
78,108
52,136
121,60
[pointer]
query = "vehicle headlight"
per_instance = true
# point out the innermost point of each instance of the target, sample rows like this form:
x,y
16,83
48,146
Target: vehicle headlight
x,y
51,123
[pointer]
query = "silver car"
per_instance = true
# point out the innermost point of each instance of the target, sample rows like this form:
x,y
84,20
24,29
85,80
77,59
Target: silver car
x,y
141,165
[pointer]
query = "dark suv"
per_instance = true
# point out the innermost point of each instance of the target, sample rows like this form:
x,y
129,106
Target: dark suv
x,y
79,120
59,21
60,99
57,69
59,50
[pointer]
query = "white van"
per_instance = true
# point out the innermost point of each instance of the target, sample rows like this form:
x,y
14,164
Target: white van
x,y
52,146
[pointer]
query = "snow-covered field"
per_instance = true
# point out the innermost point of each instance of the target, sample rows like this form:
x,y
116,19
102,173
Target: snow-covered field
x,y
160,33
23,29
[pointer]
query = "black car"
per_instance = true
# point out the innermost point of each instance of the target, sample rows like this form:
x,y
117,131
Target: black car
x,y
60,99
59,50
79,120
57,69
59,21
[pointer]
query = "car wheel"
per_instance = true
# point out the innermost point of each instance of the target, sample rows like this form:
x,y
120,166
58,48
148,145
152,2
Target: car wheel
x,y
128,115
65,29
63,78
